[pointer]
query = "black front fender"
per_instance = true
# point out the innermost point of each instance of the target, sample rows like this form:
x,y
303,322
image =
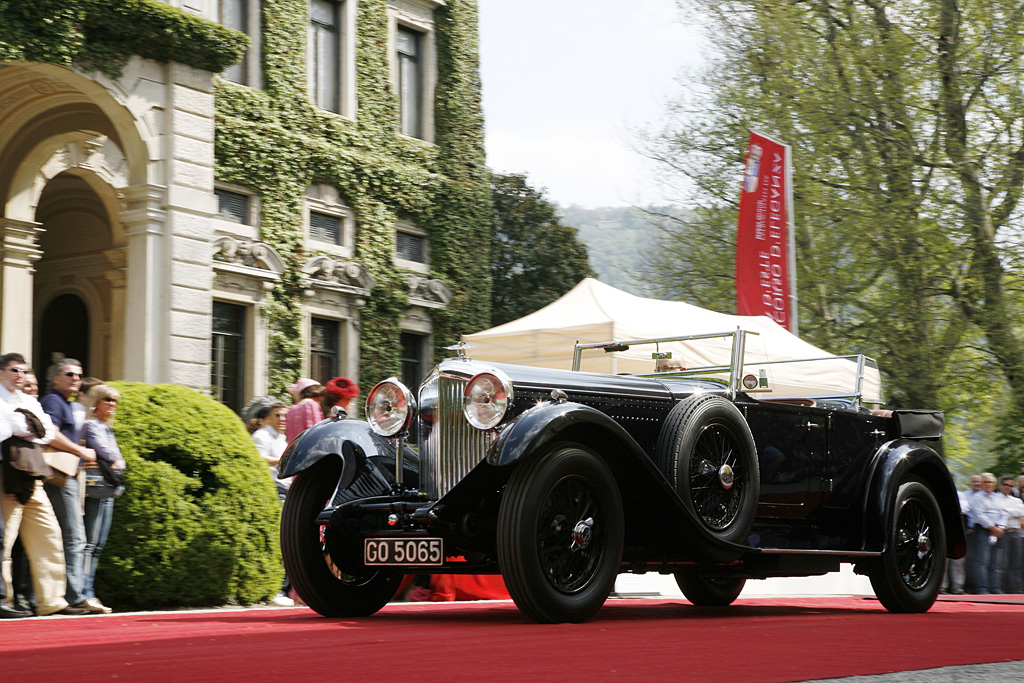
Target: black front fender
x,y
547,423
355,444
895,462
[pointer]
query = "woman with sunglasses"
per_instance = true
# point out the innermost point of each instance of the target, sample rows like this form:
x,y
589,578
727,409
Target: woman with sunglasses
x,y
99,512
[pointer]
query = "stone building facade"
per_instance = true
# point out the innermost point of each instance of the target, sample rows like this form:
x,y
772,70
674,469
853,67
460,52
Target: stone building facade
x,y
303,212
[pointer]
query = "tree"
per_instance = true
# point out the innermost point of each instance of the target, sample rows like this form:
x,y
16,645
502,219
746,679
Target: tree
x,y
907,123
534,258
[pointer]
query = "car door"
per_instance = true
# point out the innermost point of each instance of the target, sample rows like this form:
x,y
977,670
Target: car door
x,y
791,445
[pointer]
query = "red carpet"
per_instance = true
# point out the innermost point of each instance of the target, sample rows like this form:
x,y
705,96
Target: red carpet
x,y
777,639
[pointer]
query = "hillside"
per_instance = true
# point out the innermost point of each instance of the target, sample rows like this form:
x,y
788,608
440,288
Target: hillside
x,y
616,238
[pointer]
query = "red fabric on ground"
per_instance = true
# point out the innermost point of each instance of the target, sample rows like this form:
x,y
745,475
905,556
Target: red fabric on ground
x,y
777,639
451,587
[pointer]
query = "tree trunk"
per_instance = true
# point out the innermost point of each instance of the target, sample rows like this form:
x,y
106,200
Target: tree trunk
x,y
982,297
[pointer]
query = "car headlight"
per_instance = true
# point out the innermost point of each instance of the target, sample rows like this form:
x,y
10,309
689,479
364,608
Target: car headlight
x,y
389,407
486,399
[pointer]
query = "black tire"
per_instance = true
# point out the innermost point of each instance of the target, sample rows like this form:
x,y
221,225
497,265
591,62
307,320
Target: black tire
x,y
708,591
707,451
560,535
325,569
908,575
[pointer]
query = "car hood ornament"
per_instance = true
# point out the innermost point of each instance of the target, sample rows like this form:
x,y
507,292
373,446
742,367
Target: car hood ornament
x,y
460,349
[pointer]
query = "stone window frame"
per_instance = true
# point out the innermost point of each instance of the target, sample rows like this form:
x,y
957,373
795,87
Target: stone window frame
x,y
325,199
246,380
346,58
251,229
407,226
245,277
416,15
335,289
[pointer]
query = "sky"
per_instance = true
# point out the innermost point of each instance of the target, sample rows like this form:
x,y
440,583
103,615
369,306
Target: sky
x,y
565,84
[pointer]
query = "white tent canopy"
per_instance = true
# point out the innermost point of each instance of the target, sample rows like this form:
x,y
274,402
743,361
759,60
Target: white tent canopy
x,y
595,312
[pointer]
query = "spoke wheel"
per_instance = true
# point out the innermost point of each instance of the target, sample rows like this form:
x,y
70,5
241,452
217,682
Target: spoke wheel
x,y
908,575
716,479
324,567
560,535
708,591
707,451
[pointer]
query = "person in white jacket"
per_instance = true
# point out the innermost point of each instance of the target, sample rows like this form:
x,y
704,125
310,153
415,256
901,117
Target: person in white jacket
x,y
270,442
32,518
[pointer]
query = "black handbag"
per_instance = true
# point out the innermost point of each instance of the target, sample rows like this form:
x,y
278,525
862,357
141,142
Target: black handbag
x,y
101,481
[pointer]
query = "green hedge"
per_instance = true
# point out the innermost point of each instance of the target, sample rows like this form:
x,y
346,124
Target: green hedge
x,y
198,523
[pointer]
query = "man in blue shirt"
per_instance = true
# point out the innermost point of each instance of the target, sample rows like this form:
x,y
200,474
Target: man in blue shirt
x,y
66,377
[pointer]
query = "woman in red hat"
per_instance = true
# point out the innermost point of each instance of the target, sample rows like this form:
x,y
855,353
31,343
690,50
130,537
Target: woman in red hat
x,y
341,393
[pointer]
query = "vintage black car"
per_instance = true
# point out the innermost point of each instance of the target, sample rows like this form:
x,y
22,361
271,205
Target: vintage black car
x,y
559,480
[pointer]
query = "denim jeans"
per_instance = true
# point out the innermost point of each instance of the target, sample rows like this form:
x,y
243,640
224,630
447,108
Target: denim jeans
x,y
99,512
997,565
68,507
1013,579
978,552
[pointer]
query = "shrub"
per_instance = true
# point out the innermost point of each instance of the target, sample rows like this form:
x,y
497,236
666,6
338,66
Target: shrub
x,y
198,522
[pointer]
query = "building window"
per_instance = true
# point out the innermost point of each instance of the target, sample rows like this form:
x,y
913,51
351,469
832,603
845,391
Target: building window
x,y
410,80
244,16
409,247
411,360
323,54
325,227
323,349
235,14
228,357
232,206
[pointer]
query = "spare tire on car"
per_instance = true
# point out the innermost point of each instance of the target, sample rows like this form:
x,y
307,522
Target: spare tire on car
x,y
707,452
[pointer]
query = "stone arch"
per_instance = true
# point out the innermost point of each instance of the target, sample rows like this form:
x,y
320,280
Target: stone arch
x,y
44,108
96,160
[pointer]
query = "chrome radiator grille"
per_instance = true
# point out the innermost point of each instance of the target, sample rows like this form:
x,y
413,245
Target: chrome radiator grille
x,y
449,446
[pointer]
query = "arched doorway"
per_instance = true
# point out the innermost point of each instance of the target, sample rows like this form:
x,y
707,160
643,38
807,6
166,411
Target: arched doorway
x,y
72,286
64,330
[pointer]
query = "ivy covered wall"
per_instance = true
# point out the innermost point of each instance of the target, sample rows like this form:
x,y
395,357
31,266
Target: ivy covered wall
x,y
278,144
103,34
274,142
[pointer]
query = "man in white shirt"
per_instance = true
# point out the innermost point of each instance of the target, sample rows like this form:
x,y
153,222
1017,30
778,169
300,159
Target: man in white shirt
x,y
34,520
986,521
1011,545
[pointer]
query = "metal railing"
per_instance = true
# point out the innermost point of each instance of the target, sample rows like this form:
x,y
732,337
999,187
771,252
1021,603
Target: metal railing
x,y
736,363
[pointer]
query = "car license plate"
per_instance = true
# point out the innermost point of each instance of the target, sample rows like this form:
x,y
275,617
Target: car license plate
x,y
403,552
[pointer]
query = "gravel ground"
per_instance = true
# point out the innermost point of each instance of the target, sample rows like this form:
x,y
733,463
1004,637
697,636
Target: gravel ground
x,y
1002,671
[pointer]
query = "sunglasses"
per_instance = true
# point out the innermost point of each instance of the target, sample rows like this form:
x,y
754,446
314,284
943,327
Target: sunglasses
x,y
77,375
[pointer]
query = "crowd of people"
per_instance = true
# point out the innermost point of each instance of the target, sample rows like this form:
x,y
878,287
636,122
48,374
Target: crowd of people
x,y
994,519
55,524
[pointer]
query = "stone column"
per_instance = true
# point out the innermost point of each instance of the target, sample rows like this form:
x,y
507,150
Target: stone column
x,y
18,253
117,280
190,205
350,337
145,309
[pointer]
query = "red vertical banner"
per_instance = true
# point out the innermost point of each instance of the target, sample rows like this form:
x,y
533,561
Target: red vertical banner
x,y
764,236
